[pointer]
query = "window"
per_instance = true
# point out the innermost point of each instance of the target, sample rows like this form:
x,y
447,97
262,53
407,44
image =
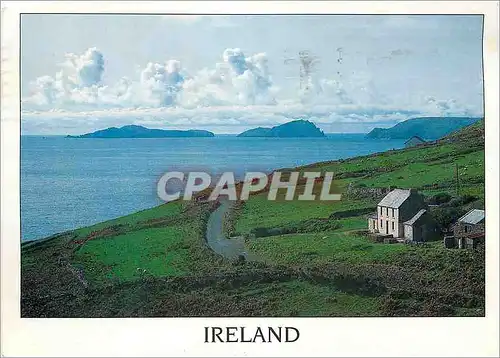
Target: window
x,y
466,228
393,221
392,212
380,210
381,223
387,211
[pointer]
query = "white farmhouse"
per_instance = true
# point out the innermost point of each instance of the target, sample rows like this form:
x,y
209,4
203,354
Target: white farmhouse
x,y
400,209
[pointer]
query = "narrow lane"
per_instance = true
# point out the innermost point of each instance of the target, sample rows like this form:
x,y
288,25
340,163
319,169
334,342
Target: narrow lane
x,y
229,248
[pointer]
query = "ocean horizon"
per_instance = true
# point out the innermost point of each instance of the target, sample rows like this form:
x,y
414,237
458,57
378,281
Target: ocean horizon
x,y
216,135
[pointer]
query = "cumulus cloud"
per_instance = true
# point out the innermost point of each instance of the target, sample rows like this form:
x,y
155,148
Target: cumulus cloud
x,y
237,91
78,81
236,80
161,83
82,70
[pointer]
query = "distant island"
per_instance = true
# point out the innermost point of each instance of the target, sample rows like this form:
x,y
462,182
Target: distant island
x,y
294,129
428,128
133,131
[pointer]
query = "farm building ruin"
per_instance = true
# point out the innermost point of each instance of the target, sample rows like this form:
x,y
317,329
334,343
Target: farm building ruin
x,y
469,231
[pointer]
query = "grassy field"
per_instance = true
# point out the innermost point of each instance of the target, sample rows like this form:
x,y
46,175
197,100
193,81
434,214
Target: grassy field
x,y
321,248
159,252
135,220
301,298
151,242
259,212
156,262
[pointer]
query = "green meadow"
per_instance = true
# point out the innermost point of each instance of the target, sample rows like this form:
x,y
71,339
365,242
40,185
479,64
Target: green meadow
x,y
321,248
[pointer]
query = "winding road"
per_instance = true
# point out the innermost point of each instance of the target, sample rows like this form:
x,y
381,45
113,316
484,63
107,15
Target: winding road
x,y
229,248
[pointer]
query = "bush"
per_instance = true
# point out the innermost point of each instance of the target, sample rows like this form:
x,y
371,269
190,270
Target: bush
x,y
478,204
352,213
439,198
462,200
375,238
445,216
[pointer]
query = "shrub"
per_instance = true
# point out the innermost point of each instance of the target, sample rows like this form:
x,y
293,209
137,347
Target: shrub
x,y
352,213
468,199
478,204
439,198
360,233
462,200
445,216
375,238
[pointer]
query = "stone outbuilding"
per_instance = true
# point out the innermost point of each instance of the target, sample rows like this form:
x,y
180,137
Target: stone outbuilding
x,y
469,230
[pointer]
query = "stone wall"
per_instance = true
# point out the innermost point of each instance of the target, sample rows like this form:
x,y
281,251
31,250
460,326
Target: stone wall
x,y
462,238
354,192
459,229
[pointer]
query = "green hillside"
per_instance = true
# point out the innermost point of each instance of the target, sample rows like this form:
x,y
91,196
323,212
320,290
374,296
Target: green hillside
x,y
310,258
428,128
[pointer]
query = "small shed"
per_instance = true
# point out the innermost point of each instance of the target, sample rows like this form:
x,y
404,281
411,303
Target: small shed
x,y
414,141
420,228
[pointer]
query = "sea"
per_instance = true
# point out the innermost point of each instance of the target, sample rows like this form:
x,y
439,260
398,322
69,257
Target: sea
x,y
68,183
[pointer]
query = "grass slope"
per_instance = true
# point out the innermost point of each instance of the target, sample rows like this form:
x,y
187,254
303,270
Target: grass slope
x,y
156,262
429,128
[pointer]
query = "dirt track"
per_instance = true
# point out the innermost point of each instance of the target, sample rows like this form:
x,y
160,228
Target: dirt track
x,y
229,248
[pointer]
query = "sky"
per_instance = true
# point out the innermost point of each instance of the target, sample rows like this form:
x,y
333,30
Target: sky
x,y
81,73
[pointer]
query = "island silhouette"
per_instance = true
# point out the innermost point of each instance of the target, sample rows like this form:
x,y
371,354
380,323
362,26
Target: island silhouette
x,y
298,128
134,131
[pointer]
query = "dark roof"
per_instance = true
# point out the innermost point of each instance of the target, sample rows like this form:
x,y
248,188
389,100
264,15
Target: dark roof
x,y
473,217
395,198
416,137
415,217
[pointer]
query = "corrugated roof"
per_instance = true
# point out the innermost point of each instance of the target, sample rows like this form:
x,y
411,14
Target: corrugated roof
x,y
473,217
395,198
415,217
